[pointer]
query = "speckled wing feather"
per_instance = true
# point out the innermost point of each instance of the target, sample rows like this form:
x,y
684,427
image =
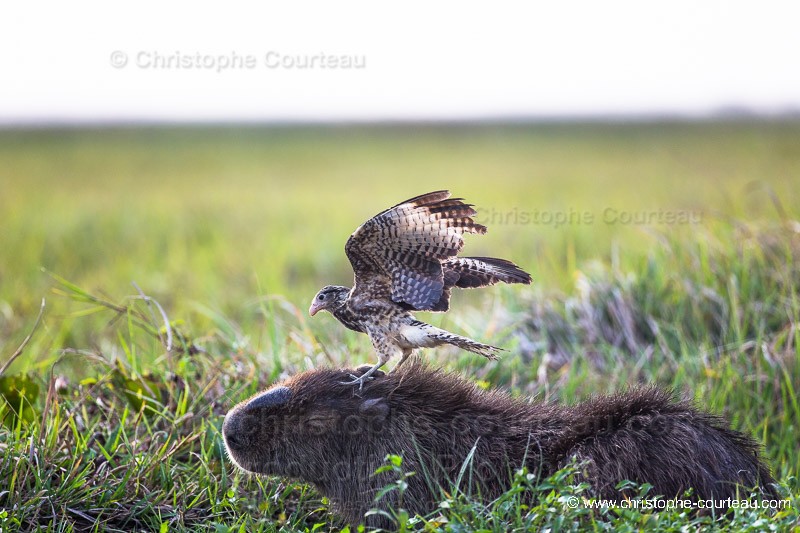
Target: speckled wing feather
x,y
407,243
475,272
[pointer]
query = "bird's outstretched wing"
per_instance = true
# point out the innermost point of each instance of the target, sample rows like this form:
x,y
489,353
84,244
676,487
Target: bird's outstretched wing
x,y
404,247
475,272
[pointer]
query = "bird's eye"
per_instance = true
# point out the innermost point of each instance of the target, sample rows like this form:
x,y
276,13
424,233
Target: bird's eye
x,y
321,297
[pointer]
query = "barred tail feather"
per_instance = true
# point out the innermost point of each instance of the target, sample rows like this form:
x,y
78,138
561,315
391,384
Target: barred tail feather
x,y
421,334
486,350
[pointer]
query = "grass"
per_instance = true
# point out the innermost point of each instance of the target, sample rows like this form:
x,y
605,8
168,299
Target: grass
x,y
228,232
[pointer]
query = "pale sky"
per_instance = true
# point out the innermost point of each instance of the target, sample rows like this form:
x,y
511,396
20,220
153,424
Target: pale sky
x,y
165,61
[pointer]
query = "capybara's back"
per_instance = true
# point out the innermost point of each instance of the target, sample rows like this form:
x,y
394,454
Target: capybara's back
x,y
643,435
314,428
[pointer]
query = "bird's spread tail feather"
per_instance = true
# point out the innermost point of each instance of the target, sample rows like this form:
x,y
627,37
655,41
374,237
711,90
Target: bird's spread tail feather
x,y
425,335
486,350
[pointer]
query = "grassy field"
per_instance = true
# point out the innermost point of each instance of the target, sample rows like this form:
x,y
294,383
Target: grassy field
x,y
665,253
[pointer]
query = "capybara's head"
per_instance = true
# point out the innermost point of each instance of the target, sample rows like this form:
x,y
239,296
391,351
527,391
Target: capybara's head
x,y
310,426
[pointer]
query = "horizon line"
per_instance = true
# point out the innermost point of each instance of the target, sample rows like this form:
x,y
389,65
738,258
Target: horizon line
x,y
732,114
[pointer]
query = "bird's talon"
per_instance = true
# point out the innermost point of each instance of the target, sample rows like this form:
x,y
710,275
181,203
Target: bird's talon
x,y
357,380
363,369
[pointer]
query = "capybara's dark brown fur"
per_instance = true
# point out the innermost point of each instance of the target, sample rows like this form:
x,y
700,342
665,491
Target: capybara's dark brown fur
x,y
314,428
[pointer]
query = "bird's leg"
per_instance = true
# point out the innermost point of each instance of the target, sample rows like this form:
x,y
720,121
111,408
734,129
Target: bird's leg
x,y
366,376
363,368
406,353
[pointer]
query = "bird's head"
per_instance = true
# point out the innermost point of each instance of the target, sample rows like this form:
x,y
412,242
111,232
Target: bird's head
x,y
329,298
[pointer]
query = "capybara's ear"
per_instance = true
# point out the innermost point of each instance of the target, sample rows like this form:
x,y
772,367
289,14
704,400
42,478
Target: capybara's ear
x,y
363,369
274,397
374,408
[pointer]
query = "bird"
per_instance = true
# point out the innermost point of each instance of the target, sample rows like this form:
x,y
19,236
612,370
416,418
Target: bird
x,y
405,259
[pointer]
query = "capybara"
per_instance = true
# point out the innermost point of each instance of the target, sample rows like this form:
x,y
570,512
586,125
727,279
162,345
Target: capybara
x,y
314,428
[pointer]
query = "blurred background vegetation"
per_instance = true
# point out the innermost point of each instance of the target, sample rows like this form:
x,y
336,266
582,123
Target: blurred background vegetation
x,y
220,216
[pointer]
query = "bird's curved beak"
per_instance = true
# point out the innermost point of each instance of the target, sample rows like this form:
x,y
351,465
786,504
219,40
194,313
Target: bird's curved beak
x,y
315,307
